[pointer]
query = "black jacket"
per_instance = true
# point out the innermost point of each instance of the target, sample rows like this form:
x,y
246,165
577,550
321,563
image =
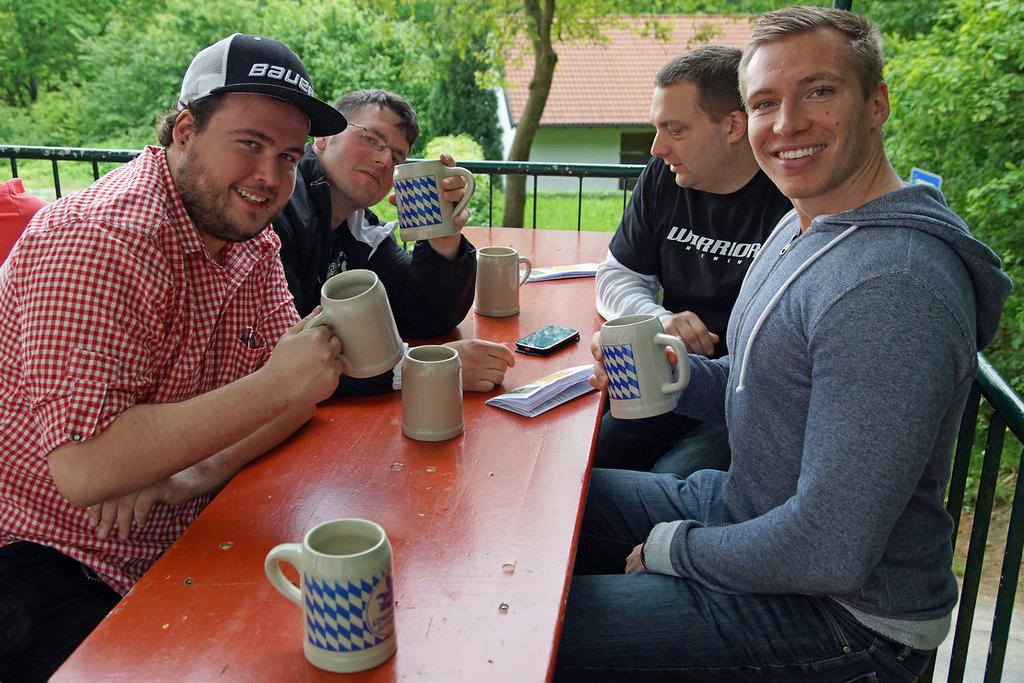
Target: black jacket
x,y
429,294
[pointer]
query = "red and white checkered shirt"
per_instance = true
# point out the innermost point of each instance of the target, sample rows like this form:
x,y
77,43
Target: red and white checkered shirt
x,y
111,300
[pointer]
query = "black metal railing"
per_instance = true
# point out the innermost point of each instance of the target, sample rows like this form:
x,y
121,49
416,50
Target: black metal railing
x,y
56,154
535,169
530,169
1007,414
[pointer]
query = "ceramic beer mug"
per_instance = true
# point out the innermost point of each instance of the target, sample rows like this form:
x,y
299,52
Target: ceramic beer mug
x,y
347,594
422,213
641,382
355,307
498,279
432,393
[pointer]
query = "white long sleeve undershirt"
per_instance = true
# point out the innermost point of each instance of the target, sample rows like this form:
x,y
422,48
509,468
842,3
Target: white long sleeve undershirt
x,y
621,291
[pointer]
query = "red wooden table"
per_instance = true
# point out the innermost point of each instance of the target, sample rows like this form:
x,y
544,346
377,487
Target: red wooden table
x,y
483,526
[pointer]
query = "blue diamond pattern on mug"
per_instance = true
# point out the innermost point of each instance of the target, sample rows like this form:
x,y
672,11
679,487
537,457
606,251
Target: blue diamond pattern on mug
x,y
336,613
418,204
621,368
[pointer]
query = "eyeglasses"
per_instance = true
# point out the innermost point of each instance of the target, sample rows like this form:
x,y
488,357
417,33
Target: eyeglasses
x,y
371,139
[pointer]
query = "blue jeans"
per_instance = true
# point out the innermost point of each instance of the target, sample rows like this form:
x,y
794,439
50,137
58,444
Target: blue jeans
x,y
49,603
651,627
669,443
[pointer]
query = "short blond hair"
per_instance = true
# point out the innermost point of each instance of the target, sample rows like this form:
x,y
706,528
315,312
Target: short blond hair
x,y
863,39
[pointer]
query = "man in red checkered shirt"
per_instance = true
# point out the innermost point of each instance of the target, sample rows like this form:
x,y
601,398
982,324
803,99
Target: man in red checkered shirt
x,y
149,348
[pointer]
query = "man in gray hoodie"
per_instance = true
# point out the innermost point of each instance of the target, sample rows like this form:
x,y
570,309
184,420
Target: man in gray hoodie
x,y
824,553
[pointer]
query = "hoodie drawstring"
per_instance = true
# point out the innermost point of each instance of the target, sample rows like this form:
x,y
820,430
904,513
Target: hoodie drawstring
x,y
778,295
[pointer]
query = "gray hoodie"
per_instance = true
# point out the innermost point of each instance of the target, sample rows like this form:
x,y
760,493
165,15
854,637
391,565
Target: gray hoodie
x,y
852,349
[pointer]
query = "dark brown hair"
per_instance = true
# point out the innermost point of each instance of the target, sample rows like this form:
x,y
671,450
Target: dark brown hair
x,y
202,109
712,68
357,99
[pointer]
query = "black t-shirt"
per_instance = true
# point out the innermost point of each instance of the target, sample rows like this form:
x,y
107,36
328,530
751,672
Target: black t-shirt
x,y
699,245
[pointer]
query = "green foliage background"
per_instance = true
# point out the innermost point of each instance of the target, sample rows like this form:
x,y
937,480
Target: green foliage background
x,y
464,147
958,110
118,75
98,73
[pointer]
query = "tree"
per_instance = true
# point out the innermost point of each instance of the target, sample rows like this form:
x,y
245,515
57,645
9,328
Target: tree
x,y
129,73
958,110
539,15
544,22
43,40
905,19
457,105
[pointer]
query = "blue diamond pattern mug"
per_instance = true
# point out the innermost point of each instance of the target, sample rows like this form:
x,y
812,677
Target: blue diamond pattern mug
x,y
422,213
641,381
347,594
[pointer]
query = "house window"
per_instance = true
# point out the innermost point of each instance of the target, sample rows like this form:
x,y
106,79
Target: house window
x,y
634,148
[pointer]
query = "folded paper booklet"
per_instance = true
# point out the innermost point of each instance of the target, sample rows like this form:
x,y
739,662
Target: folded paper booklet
x,y
545,393
561,272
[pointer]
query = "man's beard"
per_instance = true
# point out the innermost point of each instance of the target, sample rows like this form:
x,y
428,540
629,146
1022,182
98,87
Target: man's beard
x,y
209,213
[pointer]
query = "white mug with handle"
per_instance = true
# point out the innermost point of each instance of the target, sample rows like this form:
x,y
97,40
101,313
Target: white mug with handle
x,y
347,594
641,382
500,272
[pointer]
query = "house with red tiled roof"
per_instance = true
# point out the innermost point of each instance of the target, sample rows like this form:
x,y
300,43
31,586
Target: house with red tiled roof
x,y
598,110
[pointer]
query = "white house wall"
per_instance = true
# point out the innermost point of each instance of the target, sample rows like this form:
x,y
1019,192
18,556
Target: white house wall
x,y
575,146
504,121
567,146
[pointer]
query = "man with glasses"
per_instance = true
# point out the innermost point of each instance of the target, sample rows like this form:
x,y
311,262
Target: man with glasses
x,y
327,228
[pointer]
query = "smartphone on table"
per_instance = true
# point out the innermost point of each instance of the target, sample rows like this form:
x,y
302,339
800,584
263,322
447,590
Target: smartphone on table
x,y
547,340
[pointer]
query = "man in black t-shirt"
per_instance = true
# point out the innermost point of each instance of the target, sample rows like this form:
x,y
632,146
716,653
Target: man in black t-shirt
x,y
698,216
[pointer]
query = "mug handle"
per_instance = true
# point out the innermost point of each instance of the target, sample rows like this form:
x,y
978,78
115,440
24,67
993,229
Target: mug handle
x,y
320,319
470,186
526,273
292,554
682,362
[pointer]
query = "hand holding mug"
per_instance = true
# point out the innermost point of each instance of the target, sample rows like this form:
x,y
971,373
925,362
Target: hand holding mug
x,y
455,188
355,307
306,363
598,380
688,326
454,191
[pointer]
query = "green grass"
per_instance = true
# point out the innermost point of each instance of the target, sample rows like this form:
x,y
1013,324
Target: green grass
x,y
602,210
